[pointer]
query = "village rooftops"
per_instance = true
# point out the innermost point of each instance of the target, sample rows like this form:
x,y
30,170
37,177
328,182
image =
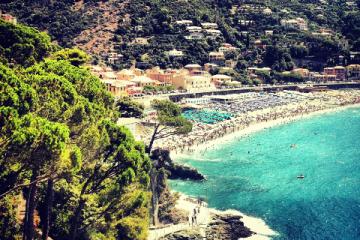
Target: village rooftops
x,y
142,79
192,66
110,76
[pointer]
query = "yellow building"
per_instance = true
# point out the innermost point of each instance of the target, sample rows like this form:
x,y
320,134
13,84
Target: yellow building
x,y
126,74
201,82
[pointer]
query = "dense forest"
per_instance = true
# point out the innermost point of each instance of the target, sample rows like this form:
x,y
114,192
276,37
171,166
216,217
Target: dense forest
x,y
65,164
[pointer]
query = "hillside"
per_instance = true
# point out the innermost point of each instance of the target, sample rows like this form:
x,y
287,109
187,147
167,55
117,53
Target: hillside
x,y
146,30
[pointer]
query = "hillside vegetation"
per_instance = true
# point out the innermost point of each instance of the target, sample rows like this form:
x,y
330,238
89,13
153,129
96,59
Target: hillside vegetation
x,y
102,26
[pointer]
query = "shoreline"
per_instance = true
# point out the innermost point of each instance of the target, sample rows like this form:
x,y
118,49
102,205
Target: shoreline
x,y
254,128
257,225
261,231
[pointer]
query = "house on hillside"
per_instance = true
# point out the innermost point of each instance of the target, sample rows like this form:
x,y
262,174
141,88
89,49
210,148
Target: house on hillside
x,y
296,23
114,58
194,29
217,58
141,41
227,47
207,25
267,11
212,33
221,79
184,22
175,53
193,67
8,18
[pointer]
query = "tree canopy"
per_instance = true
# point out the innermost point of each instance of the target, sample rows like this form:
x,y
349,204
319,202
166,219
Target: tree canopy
x,y
61,153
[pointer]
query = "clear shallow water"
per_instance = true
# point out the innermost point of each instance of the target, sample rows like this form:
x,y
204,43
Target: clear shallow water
x,y
257,175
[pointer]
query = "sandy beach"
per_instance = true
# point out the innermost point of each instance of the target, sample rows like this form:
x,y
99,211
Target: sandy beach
x,y
208,136
253,128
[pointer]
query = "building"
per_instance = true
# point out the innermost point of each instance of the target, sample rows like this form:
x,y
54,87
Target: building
x,y
269,32
169,76
227,47
8,18
118,88
267,11
246,22
194,29
184,22
142,81
338,71
217,58
317,77
126,74
193,67
252,71
208,25
175,53
160,75
197,82
114,58
354,71
297,23
110,76
212,33
259,44
141,41
221,79
210,66
195,36
324,32
303,72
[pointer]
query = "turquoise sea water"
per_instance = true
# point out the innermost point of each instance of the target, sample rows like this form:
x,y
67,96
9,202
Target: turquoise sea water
x,y
257,175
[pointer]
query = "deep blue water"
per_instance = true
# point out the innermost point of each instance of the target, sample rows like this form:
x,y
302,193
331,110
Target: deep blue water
x,y
257,175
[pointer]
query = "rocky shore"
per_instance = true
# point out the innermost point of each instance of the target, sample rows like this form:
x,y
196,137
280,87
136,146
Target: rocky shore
x,y
227,227
220,227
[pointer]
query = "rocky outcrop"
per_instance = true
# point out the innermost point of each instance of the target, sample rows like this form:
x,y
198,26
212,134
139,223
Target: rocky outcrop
x,y
183,235
182,172
162,158
227,227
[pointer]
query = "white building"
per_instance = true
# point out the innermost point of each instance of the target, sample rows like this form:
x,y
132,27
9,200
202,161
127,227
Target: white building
x,y
297,23
208,25
175,53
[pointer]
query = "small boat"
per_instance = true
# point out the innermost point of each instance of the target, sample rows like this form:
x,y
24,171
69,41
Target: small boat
x,y
301,176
